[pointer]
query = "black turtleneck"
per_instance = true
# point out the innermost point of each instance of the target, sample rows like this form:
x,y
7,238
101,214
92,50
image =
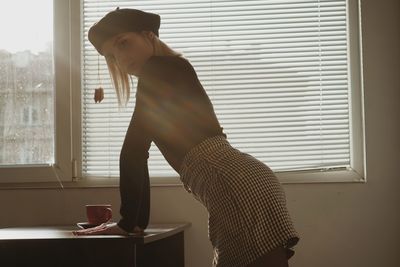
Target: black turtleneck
x,y
173,110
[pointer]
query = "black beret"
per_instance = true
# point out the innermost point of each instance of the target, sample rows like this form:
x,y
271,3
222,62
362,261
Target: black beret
x,y
122,20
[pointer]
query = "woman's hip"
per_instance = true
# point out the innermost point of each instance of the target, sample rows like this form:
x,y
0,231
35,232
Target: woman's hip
x,y
214,161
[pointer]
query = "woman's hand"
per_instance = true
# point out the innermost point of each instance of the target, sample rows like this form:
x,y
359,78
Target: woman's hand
x,y
107,229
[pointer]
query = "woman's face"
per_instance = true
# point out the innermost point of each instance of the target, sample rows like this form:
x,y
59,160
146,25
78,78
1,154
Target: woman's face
x,y
130,50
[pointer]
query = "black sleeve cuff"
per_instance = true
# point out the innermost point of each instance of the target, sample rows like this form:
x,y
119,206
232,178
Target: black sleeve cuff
x,y
124,225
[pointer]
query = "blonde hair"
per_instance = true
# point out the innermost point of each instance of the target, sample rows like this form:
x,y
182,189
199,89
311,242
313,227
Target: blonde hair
x,y
120,79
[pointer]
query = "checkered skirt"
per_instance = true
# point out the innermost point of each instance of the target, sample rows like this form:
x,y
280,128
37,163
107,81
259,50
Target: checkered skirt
x,y
246,203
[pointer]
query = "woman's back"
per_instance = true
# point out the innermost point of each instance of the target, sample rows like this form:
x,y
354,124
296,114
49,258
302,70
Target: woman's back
x,y
173,108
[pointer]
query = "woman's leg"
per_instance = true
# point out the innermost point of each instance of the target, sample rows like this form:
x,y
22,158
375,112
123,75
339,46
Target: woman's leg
x,y
275,258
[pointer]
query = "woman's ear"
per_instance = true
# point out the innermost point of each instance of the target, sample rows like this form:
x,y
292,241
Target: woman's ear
x,y
150,34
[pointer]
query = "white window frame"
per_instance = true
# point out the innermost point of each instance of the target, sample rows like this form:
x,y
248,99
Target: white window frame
x,y
33,174
68,137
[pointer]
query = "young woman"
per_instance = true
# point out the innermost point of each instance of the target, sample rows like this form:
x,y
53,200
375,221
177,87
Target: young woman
x,y
248,224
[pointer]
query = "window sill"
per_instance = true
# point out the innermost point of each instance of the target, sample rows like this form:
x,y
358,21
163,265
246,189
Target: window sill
x,y
342,175
292,177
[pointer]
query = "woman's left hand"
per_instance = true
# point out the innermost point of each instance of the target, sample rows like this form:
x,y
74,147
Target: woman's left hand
x,y
102,229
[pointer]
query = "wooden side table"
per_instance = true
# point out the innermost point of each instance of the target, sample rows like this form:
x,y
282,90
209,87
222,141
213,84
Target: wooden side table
x,y
56,246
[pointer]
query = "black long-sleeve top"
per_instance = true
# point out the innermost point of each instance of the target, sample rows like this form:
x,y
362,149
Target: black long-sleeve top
x,y
173,110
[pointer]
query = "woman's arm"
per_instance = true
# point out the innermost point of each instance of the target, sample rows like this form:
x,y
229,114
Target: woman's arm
x,y
134,176
134,182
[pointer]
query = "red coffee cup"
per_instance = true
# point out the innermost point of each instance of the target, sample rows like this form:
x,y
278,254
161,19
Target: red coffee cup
x,y
98,213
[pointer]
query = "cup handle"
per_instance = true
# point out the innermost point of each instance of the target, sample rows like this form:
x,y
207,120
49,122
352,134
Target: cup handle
x,y
109,214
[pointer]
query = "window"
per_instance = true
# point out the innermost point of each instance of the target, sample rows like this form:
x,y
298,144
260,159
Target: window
x,y
283,76
33,83
26,83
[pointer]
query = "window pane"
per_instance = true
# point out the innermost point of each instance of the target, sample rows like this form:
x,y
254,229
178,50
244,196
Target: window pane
x,y
26,82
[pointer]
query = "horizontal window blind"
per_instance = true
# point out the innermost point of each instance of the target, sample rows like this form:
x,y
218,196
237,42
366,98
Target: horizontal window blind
x,y
276,72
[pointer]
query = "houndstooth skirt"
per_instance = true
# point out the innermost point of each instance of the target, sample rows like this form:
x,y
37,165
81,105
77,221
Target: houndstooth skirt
x,y
246,203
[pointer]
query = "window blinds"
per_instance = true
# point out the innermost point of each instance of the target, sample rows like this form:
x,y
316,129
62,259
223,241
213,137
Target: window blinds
x,y
276,72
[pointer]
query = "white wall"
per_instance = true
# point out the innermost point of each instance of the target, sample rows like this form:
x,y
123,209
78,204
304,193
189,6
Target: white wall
x,y
346,225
